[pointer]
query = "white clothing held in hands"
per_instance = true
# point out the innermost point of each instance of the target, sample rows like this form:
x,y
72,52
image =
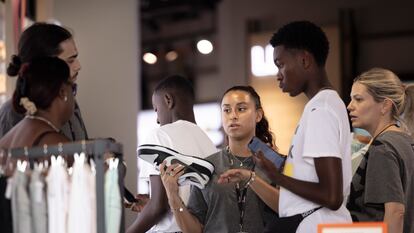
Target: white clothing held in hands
x,y
186,138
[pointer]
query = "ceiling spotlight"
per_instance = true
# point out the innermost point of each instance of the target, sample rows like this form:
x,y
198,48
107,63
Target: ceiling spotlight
x,y
171,56
150,58
204,46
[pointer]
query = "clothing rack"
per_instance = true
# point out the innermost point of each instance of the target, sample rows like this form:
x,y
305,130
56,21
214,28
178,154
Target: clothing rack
x,y
98,148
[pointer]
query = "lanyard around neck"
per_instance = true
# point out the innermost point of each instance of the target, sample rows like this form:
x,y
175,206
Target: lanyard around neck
x,y
383,130
241,194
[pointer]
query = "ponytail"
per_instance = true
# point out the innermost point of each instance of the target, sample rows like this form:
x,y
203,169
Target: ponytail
x,y
407,116
262,127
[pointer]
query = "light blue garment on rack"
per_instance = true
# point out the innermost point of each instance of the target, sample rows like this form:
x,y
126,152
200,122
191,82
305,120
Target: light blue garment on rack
x,y
113,202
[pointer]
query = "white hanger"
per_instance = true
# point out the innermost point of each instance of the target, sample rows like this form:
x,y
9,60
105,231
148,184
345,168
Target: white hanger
x,y
21,165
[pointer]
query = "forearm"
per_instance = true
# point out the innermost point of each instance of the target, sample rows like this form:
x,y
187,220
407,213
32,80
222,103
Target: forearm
x,y
154,210
148,217
185,220
394,217
327,191
267,193
314,192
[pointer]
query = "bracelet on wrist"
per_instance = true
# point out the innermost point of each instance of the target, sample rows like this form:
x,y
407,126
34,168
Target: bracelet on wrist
x,y
179,209
251,179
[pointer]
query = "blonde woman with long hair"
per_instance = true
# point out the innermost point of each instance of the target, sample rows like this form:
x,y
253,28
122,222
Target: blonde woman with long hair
x,y
383,185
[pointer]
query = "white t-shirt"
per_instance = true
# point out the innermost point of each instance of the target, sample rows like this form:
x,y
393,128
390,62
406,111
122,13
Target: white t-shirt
x,y
186,138
323,131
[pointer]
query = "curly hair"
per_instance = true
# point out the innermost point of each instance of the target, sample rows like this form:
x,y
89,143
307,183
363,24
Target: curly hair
x,y
303,35
40,81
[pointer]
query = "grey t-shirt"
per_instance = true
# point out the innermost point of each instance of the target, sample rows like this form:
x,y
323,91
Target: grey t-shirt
x,y
74,129
216,206
385,174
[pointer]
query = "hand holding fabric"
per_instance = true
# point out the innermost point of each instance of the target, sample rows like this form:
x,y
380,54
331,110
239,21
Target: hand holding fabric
x,y
169,177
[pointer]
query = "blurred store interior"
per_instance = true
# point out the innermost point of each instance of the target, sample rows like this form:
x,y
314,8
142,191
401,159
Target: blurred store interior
x,y
126,47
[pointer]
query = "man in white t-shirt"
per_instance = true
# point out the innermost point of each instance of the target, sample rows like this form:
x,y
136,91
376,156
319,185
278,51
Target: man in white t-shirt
x,y
173,101
317,172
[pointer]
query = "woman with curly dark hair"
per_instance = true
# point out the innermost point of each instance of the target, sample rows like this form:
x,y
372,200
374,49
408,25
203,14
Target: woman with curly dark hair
x,y
226,207
45,95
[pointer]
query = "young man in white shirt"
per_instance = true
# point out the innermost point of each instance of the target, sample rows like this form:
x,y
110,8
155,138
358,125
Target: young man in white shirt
x,y
317,174
173,101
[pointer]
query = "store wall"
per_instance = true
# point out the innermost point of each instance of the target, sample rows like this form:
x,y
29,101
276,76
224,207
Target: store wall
x,y
106,33
372,17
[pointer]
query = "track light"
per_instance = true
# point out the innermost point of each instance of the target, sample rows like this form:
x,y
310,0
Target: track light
x,y
171,55
149,58
204,46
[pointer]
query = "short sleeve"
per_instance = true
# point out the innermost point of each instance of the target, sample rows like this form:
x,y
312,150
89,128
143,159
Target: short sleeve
x,y
383,180
197,205
146,169
322,134
155,137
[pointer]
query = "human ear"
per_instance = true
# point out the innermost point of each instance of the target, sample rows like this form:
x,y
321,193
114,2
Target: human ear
x,y
306,59
169,100
259,115
387,106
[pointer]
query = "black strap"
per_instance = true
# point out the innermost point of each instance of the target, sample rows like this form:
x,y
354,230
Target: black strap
x,y
288,224
82,124
241,201
40,137
71,131
309,212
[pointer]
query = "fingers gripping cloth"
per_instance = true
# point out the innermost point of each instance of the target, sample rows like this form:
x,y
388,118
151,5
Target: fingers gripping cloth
x,y
197,171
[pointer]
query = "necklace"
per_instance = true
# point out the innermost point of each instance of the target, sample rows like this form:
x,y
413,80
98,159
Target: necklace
x,y
240,161
383,130
44,120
